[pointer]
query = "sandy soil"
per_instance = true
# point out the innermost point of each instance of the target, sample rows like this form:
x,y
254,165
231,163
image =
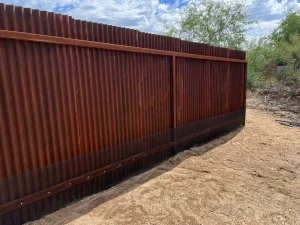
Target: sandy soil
x,y
251,176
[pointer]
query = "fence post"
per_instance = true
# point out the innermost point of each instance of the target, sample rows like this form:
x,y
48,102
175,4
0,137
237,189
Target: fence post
x,y
173,102
228,81
245,89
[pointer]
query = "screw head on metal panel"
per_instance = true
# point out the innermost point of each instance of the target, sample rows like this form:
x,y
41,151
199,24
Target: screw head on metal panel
x,y
21,203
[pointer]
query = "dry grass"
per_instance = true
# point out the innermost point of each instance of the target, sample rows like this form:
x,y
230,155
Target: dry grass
x,y
279,100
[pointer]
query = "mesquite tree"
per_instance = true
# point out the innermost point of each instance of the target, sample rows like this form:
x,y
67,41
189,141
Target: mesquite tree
x,y
213,22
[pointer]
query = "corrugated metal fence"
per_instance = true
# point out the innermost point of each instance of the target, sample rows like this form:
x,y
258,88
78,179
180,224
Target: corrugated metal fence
x,y
78,114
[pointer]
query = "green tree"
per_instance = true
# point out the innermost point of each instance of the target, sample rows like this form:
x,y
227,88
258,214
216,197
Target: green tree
x,y
281,47
287,51
259,53
288,27
217,23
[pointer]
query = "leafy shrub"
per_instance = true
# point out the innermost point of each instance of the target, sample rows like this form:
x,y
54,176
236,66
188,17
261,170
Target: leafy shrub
x,y
254,79
291,76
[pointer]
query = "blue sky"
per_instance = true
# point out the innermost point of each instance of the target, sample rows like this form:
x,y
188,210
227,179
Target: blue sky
x,y
154,15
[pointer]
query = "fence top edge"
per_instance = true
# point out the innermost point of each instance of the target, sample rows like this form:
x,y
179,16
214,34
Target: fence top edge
x,y
4,6
16,35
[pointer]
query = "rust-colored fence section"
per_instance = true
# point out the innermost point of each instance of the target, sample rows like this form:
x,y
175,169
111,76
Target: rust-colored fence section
x,y
83,105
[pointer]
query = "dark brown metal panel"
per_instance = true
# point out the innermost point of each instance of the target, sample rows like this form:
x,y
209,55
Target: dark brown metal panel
x,y
191,90
71,109
3,17
116,80
215,87
28,123
237,86
39,122
245,70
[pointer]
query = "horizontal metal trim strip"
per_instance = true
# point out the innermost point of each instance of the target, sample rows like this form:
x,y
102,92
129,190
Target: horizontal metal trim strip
x,y
15,35
197,126
67,184
207,130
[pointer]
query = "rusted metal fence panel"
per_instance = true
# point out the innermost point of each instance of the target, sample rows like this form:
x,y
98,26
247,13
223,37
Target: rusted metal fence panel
x,y
83,105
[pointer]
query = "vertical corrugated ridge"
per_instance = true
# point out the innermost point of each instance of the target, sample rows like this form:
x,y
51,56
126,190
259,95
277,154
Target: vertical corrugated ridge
x,y
44,159
56,108
33,126
6,139
15,114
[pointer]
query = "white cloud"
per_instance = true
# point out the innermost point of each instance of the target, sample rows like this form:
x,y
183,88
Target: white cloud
x,y
154,15
268,15
262,28
48,5
145,15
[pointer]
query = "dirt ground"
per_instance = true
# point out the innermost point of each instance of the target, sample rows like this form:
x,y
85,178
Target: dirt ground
x,y
250,176
281,105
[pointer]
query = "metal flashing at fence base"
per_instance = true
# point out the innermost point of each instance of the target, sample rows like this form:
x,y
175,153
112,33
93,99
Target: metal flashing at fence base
x,y
50,202
51,180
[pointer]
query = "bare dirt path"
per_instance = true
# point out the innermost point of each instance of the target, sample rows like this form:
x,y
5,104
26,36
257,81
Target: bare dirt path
x,y
251,176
